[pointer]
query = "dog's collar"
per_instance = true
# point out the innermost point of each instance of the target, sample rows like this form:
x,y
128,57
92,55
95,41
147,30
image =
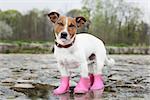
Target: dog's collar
x,y
65,46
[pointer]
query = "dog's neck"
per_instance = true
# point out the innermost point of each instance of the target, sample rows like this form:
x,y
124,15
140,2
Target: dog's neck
x,y
65,46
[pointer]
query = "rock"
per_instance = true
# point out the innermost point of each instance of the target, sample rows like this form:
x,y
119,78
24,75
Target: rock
x,y
24,81
120,69
8,80
30,76
1,93
116,77
147,80
23,86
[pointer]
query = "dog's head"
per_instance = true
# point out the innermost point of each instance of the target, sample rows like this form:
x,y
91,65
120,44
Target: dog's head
x,y
65,28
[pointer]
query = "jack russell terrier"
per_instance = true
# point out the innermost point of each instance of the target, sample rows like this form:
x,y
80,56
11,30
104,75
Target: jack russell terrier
x,y
77,50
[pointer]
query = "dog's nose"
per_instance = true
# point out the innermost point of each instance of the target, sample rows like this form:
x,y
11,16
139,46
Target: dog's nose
x,y
64,35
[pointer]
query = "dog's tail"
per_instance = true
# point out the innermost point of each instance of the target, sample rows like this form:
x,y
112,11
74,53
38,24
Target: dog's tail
x,y
109,61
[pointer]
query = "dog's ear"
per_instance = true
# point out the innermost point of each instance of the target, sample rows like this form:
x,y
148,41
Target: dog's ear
x,y
53,16
80,21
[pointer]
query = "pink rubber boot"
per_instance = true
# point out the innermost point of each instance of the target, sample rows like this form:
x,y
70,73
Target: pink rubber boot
x,y
83,85
98,82
64,86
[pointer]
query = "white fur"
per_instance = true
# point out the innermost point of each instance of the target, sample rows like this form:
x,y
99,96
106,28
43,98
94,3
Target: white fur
x,y
78,55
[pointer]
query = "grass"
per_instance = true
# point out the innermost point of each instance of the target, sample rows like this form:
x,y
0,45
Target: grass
x,y
22,41
21,47
127,45
118,45
41,46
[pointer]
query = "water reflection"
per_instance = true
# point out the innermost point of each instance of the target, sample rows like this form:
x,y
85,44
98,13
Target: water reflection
x,y
92,95
45,92
65,96
39,91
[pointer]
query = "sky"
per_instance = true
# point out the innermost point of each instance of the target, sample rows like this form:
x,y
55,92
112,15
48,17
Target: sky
x,y
63,5
25,5
144,5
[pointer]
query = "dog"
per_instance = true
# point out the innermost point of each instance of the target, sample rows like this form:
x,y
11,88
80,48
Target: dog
x,y
76,51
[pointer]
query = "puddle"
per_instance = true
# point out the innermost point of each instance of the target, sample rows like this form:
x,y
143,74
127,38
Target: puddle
x,y
41,91
26,77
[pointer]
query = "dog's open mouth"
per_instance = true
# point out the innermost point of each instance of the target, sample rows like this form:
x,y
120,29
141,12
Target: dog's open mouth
x,y
64,40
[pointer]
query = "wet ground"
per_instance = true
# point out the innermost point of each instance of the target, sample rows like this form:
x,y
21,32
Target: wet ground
x,y
33,77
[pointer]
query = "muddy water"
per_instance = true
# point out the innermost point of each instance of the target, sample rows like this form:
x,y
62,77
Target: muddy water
x,y
33,77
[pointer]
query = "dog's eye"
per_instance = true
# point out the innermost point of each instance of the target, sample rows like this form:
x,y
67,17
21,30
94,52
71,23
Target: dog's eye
x,y
71,25
60,24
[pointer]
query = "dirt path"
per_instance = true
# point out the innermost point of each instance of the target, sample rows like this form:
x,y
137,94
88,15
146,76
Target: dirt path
x,y
29,76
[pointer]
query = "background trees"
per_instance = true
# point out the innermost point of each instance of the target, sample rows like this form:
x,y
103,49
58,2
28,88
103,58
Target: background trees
x,y
5,28
116,22
33,26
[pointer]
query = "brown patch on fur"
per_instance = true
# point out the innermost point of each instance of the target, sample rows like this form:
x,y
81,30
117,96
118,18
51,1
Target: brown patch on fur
x,y
60,24
53,16
80,21
72,29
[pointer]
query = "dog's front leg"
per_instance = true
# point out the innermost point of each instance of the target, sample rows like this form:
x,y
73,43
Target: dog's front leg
x,y
84,69
64,80
62,69
84,83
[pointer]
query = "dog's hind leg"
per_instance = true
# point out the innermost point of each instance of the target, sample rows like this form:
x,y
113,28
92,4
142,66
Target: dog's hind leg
x,y
98,81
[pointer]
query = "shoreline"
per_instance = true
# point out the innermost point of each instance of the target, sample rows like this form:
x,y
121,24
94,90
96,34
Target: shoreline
x,y
46,48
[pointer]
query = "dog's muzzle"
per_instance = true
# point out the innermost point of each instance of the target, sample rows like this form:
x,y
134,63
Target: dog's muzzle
x,y
63,35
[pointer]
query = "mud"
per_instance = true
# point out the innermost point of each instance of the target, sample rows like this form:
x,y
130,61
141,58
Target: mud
x,y
33,77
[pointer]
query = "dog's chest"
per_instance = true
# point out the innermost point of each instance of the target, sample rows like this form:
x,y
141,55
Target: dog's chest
x,y
68,57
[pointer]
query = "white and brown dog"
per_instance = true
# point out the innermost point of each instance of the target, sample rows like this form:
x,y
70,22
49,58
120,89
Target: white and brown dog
x,y
76,50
